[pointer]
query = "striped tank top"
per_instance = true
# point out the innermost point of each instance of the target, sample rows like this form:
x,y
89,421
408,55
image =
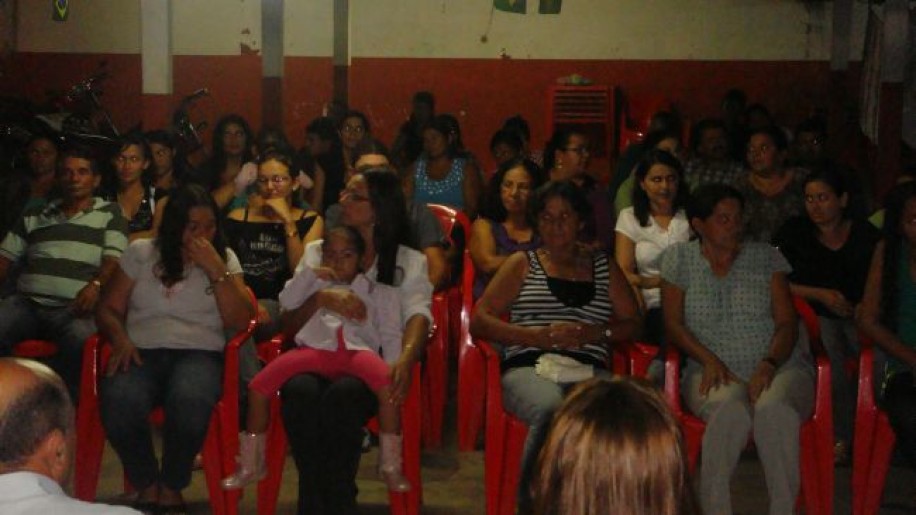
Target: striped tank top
x,y
537,304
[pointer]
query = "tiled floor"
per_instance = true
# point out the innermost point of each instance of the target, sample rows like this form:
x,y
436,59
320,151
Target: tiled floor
x,y
453,485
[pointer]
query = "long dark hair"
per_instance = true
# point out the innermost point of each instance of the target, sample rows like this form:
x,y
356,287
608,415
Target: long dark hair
x,y
179,159
218,159
641,199
392,223
894,241
171,267
111,181
492,207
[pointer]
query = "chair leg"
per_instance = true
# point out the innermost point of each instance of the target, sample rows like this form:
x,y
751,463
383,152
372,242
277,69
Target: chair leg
x,y
213,470
269,487
89,448
471,396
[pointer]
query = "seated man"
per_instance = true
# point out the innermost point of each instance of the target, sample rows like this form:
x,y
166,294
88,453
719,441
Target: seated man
x,y
36,444
710,160
69,249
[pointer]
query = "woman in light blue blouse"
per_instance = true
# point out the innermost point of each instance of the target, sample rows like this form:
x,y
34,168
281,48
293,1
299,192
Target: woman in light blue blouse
x,y
727,306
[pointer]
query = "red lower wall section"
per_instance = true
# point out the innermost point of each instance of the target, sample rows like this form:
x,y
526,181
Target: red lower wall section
x,y
480,92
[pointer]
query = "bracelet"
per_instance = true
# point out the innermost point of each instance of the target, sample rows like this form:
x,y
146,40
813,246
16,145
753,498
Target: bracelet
x,y
225,275
771,361
97,283
294,233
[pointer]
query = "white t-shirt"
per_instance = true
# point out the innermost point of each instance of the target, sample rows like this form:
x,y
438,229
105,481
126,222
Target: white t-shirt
x,y
184,316
650,242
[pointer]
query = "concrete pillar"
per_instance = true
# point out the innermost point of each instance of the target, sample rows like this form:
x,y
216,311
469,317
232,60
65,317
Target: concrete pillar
x,y
156,62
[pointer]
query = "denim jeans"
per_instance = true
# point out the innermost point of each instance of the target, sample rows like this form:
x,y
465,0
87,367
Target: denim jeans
x,y
187,384
23,319
324,421
534,400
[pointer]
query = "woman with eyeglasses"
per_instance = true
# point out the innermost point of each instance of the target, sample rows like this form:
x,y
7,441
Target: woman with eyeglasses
x,y
442,175
270,233
566,157
131,185
354,128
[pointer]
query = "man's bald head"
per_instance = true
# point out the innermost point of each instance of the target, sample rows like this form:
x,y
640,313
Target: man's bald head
x,y
33,404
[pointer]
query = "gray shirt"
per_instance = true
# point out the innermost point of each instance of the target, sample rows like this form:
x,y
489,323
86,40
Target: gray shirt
x,y
183,316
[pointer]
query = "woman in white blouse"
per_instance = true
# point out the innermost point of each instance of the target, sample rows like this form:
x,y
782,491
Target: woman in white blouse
x,y
654,222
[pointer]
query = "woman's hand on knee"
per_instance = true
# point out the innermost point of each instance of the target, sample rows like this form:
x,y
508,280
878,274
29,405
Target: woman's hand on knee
x,y
122,356
760,380
715,374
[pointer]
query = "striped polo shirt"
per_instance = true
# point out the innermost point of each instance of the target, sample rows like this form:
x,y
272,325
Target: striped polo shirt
x,y
63,254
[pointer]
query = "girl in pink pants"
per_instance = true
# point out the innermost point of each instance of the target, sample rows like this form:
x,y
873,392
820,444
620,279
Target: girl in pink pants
x,y
333,346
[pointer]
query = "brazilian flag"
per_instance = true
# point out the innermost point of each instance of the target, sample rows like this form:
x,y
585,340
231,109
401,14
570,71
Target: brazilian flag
x,y
60,10
512,6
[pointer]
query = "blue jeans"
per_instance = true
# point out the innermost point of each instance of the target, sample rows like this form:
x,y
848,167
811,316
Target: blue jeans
x,y
23,319
187,384
534,400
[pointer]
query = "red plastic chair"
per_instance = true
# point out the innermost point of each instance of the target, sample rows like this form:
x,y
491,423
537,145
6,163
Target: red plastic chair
x,y
407,503
34,349
873,442
506,434
220,446
448,318
816,443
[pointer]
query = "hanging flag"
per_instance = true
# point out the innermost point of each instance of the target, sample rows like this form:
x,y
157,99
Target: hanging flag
x,y
512,6
60,10
550,6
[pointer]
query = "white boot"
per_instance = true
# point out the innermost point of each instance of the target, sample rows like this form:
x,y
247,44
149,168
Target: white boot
x,y
389,462
250,461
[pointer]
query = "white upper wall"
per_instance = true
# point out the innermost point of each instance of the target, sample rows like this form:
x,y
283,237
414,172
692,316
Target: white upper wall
x,y
93,26
600,29
586,29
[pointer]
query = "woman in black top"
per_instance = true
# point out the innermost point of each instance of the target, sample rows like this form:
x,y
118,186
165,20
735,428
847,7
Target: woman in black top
x,y
269,235
830,254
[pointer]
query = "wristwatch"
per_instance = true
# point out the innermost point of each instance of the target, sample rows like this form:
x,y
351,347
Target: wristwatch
x,y
608,333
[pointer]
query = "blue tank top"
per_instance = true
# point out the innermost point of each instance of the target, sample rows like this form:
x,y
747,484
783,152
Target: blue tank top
x,y
448,191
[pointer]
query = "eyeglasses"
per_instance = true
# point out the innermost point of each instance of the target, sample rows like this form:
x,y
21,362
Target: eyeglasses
x,y
276,179
582,151
352,196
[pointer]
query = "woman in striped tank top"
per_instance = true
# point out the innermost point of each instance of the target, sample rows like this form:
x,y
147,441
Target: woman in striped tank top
x,y
564,298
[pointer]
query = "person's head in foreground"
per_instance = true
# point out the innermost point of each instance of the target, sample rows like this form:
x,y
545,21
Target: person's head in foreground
x,y
614,448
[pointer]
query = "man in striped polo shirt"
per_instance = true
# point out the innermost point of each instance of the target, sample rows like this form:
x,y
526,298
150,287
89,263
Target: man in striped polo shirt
x,y
69,249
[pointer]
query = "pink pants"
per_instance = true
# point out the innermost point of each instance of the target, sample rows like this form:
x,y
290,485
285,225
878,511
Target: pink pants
x,y
365,365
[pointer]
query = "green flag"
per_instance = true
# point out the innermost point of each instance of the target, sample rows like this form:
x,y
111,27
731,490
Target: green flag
x,y
512,6
550,6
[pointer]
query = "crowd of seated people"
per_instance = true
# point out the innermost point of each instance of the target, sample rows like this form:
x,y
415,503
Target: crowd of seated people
x,y
154,253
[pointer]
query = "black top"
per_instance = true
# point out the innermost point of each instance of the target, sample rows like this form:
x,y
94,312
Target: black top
x,y
261,249
813,264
